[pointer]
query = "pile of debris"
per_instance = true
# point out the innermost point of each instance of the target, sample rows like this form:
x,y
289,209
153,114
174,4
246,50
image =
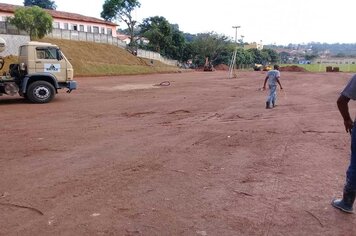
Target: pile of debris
x,y
292,69
222,67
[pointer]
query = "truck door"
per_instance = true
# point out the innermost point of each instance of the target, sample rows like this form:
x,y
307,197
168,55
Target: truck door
x,y
48,62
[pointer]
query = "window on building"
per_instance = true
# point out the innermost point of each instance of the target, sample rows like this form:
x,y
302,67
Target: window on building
x,y
65,26
109,30
89,29
81,27
102,30
74,27
56,25
95,29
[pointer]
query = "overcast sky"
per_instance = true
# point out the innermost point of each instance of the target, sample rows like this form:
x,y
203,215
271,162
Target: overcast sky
x,y
273,21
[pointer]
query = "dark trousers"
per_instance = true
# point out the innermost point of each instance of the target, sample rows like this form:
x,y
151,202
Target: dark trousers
x,y
351,171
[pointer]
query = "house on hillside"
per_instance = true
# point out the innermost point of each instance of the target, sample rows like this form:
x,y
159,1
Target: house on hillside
x,y
68,21
127,40
258,46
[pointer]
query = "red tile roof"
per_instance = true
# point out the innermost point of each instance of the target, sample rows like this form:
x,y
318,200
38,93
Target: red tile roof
x,y
59,15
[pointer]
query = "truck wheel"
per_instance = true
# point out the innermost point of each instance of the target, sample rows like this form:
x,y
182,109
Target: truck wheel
x,y
40,92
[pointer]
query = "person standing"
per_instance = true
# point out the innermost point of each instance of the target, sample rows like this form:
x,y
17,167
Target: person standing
x,y
345,204
272,78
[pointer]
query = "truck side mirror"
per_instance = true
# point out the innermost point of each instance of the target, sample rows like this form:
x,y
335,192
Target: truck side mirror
x,y
59,55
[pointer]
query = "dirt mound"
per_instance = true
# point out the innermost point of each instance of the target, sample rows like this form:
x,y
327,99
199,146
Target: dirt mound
x,y
292,69
221,67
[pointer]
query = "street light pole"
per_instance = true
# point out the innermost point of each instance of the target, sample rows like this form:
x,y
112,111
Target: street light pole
x,y
236,27
233,60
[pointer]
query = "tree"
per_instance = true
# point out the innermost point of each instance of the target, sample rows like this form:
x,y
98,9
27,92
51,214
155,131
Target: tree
x,y
212,46
243,57
163,37
257,55
158,31
273,56
121,10
176,48
34,20
264,56
46,4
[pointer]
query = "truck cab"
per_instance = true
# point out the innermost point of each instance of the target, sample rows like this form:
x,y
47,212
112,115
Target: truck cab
x,y
42,70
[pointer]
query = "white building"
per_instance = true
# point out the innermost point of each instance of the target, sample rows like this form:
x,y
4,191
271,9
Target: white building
x,y
68,21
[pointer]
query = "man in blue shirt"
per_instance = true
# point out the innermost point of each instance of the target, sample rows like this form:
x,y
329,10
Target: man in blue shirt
x,y
272,78
346,203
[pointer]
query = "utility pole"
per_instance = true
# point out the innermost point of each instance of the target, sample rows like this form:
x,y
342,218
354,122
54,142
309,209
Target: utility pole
x,y
233,59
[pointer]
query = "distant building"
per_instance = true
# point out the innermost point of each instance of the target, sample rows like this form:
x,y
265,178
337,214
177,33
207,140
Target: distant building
x,y
68,21
336,61
126,38
258,46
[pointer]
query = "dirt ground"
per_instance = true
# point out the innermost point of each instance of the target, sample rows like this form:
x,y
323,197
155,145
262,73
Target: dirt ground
x,y
199,156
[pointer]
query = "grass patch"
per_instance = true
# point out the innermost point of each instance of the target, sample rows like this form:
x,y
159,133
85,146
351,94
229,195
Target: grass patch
x,y
322,67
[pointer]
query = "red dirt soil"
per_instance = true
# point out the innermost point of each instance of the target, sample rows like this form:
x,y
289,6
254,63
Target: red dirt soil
x,y
123,156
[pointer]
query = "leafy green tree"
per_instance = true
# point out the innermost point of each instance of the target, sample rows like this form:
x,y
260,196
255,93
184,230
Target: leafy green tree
x,y
158,31
164,37
212,46
272,55
34,20
257,55
243,57
121,10
264,56
188,52
189,37
46,4
175,49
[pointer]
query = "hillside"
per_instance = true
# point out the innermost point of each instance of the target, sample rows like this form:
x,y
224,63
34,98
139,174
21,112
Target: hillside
x,y
94,59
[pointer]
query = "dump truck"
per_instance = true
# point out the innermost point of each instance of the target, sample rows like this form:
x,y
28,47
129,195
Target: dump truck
x,y
42,69
260,67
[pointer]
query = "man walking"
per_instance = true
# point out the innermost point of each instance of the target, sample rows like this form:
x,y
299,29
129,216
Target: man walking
x,y
346,203
272,78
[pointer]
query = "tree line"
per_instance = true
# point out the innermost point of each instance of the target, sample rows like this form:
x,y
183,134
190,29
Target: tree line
x,y
163,37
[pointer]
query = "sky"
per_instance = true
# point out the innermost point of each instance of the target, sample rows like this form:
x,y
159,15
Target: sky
x,y
271,22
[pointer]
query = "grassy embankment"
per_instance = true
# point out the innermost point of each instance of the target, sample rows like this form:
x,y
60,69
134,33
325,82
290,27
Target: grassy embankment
x,y
94,59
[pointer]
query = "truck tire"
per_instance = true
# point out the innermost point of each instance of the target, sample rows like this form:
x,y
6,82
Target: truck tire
x,y
40,92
